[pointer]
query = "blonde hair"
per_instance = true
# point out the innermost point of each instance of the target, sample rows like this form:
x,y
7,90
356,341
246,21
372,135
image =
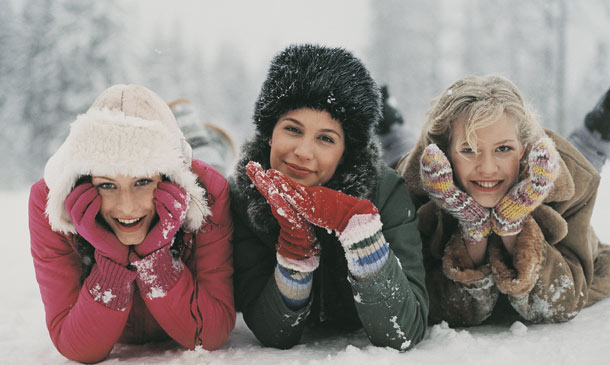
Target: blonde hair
x,y
481,100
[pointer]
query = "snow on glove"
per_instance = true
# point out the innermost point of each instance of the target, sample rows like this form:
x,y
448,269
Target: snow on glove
x,y
297,248
437,179
157,273
528,194
355,221
171,203
83,204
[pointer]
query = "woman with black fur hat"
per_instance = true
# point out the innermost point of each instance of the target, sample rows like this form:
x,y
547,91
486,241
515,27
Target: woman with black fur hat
x,y
325,233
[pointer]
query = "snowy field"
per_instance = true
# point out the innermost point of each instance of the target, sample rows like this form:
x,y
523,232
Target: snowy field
x,y
24,338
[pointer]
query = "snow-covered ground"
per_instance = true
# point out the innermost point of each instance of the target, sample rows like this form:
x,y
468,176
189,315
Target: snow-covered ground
x,y
24,338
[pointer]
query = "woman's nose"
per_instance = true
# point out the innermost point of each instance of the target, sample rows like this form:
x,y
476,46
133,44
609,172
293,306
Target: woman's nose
x,y
126,202
487,163
304,150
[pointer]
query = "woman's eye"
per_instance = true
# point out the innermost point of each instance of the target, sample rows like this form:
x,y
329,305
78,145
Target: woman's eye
x,y
466,150
505,148
106,186
143,182
326,139
292,129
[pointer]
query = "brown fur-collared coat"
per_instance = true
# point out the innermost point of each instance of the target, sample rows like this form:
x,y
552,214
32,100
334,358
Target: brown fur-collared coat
x,y
559,265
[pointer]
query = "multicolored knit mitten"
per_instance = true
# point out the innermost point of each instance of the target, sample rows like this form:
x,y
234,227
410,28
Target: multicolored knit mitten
x,y
508,214
437,179
356,222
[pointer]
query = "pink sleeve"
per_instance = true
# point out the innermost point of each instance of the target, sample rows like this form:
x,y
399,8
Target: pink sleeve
x,y
211,317
80,328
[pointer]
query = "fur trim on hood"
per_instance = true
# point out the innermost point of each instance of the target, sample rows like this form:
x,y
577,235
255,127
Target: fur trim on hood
x,y
325,79
130,131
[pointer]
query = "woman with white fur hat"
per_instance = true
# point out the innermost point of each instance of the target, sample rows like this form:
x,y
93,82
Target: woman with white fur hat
x,y
129,235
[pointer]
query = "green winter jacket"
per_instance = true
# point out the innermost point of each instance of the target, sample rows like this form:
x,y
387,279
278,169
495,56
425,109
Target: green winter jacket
x,y
392,306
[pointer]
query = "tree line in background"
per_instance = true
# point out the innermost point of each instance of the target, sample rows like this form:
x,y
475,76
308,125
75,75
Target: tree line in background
x,y
58,55
419,48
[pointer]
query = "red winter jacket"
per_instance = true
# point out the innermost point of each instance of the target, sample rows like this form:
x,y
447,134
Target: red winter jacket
x,y
84,330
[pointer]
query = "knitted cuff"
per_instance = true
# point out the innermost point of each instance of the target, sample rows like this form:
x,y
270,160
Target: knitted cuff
x,y
591,145
110,284
294,286
157,272
305,265
366,249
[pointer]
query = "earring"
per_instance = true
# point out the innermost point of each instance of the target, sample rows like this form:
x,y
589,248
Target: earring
x,y
269,142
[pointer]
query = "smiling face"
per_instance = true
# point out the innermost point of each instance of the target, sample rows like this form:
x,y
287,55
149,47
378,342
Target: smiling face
x,y
127,205
307,145
488,174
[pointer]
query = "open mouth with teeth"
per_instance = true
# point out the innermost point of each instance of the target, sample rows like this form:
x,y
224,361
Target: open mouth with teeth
x,y
128,222
487,185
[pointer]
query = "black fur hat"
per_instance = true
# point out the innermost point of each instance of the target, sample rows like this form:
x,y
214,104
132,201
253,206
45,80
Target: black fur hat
x,y
325,79
320,78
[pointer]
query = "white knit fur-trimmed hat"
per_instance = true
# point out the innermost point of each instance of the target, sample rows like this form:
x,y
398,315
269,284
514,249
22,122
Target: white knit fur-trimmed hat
x,y
129,130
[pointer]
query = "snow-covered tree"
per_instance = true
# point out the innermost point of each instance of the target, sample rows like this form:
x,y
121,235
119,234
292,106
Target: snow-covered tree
x,y
73,50
13,132
405,53
230,95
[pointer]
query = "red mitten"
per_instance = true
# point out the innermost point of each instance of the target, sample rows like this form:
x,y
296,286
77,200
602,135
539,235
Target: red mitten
x,y
171,203
356,222
83,204
297,248
322,206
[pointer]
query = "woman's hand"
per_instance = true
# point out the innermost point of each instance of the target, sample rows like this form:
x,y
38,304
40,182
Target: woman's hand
x,y
437,179
528,194
356,222
297,247
321,206
83,204
171,203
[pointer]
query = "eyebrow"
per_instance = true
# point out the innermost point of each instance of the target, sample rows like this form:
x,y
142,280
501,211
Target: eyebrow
x,y
326,130
102,177
507,140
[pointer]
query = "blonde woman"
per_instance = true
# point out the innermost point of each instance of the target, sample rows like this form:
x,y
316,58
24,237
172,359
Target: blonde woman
x,y
504,210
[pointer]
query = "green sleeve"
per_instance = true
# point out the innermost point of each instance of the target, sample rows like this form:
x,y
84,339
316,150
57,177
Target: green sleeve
x,y
393,305
256,292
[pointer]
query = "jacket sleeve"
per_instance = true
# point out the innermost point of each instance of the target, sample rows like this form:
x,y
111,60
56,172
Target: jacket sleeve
x,y
200,304
544,282
393,305
256,292
81,328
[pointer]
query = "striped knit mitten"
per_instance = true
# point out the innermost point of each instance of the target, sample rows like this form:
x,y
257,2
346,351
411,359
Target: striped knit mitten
x,y
356,222
528,194
437,179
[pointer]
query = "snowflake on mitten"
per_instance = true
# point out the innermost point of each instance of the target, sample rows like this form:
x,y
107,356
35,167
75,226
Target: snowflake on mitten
x,y
356,222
